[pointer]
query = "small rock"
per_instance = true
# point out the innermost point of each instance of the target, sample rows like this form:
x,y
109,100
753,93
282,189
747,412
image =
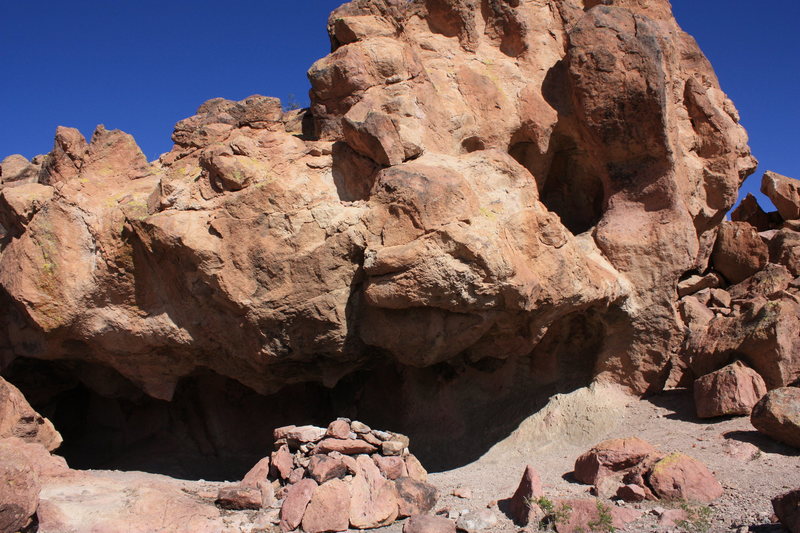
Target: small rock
x,y
631,493
391,467
296,475
415,468
322,468
359,427
329,508
239,498
338,429
282,462
462,492
521,507
429,524
345,446
476,521
305,434
611,456
392,447
294,506
784,193
787,509
258,474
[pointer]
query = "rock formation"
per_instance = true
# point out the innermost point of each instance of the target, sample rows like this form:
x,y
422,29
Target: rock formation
x,y
480,198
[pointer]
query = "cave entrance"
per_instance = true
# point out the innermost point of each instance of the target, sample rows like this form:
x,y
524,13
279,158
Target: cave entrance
x,y
217,429
568,186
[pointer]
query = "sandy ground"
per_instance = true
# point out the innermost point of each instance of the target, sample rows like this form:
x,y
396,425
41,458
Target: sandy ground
x,y
764,470
752,469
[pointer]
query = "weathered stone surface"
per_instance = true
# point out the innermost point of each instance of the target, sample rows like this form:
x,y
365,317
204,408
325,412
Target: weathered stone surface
x,y
281,462
391,467
429,524
294,506
732,390
414,497
522,506
18,419
784,193
697,283
415,468
585,512
739,251
239,498
19,488
345,446
777,414
787,509
258,474
680,477
522,193
749,211
612,456
373,501
329,508
323,468
474,521
631,493
338,429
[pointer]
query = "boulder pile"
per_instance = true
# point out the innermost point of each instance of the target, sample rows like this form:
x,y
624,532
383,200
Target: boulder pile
x,y
330,479
632,469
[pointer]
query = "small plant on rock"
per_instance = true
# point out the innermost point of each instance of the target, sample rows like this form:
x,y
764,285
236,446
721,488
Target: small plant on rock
x,y
698,518
552,514
604,522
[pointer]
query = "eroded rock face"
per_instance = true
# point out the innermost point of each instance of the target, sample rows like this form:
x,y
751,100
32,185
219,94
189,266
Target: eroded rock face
x,y
479,191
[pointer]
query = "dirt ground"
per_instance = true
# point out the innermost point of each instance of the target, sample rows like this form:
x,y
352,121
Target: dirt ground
x,y
752,468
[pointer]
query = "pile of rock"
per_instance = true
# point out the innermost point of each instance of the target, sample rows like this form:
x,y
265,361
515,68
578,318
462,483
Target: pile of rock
x,y
633,470
329,479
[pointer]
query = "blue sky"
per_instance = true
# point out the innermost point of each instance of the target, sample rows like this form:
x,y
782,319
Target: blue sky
x,y
142,66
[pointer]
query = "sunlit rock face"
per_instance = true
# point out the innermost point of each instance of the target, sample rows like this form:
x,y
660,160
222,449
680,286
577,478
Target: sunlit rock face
x,y
496,199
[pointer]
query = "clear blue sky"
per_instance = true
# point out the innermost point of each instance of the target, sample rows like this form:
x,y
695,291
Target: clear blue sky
x,y
142,66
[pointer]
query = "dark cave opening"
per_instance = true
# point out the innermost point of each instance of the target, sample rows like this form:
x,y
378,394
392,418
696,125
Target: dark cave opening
x,y
217,429
567,184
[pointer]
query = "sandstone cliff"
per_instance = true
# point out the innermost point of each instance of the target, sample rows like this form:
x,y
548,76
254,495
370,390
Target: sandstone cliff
x,y
486,203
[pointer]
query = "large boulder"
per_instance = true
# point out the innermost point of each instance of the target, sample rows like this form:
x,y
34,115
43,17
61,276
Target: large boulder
x,y
18,419
19,488
680,477
732,390
787,509
777,415
784,193
739,251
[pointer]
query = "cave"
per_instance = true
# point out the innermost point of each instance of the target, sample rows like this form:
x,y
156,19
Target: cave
x,y
216,428
567,184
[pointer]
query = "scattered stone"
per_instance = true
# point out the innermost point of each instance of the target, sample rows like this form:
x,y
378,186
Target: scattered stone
x,y
473,521
697,283
415,468
374,501
739,251
777,415
522,507
787,509
741,451
429,524
582,515
463,493
680,477
392,447
360,427
305,434
391,467
239,498
257,475
732,390
282,462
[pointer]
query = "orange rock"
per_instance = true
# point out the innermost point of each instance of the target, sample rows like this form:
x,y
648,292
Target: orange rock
x,y
612,456
680,477
777,415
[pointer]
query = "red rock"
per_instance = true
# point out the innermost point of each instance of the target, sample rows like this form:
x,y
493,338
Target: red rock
x,y
296,475
749,211
294,506
777,415
391,467
258,474
345,446
18,419
328,509
392,447
631,493
522,506
304,434
739,251
415,468
784,249
787,509
322,468
239,498
697,283
282,462
784,193
584,513
680,477
338,429
414,497
671,517
611,456
19,488
429,524
374,501
732,390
